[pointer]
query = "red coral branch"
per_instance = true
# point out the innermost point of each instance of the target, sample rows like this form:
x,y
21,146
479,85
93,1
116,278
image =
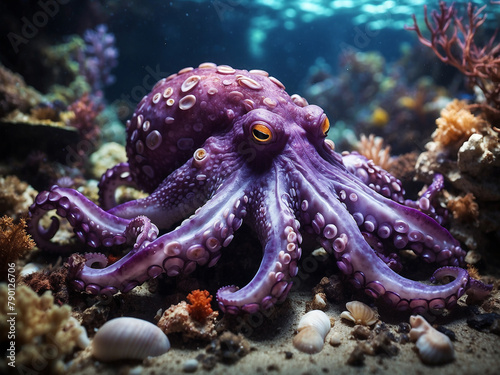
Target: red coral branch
x,y
199,308
452,40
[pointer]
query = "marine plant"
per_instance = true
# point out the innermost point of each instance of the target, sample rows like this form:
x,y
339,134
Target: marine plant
x,y
98,57
453,40
14,243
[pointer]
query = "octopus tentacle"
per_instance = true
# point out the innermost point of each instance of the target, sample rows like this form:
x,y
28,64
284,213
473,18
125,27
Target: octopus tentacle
x,y
427,203
374,176
187,188
197,241
114,177
278,232
341,236
91,224
400,227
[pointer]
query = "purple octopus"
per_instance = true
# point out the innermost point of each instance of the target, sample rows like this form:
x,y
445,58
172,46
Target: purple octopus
x,y
216,147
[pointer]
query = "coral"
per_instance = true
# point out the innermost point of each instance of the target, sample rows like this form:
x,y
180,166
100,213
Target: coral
x,y
107,156
453,42
85,112
14,243
15,196
53,280
372,148
177,318
464,208
456,124
199,307
15,94
98,57
45,333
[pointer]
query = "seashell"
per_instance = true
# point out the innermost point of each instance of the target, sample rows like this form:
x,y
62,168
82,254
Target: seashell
x,y
434,347
129,338
313,328
30,268
360,313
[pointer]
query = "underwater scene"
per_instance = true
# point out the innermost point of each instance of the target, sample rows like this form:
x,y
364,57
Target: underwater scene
x,y
249,187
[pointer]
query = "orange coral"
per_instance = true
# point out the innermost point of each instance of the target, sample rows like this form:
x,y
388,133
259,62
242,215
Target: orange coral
x,y
464,208
372,148
199,308
456,124
14,243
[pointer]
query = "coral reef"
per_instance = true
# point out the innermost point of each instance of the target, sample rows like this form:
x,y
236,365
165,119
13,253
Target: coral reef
x,y
15,93
466,150
15,196
14,243
45,333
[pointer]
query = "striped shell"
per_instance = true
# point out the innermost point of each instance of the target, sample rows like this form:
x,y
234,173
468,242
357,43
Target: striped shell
x,y
359,313
434,347
129,338
313,328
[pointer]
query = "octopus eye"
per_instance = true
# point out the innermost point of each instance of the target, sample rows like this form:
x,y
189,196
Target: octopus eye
x,y
261,133
325,126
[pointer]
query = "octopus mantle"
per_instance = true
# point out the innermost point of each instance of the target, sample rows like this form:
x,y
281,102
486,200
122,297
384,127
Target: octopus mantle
x,y
216,147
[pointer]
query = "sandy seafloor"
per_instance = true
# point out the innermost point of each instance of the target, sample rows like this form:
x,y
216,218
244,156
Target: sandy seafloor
x,y
272,351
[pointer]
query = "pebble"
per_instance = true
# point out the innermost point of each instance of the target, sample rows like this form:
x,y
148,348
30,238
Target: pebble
x,y
190,365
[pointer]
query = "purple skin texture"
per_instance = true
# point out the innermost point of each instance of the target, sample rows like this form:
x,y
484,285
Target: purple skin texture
x,y
216,147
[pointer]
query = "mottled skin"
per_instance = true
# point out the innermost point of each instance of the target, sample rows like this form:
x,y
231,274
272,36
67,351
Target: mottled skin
x,y
215,147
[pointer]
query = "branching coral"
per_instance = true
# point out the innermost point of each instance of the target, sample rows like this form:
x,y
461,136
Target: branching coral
x,y
464,208
98,57
199,307
456,124
453,42
85,117
14,243
45,333
373,148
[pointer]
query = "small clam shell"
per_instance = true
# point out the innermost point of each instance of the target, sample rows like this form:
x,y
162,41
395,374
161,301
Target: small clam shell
x,y
434,347
359,313
313,328
129,338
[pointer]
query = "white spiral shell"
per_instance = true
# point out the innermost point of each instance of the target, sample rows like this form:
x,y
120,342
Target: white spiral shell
x,y
434,347
313,328
129,338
